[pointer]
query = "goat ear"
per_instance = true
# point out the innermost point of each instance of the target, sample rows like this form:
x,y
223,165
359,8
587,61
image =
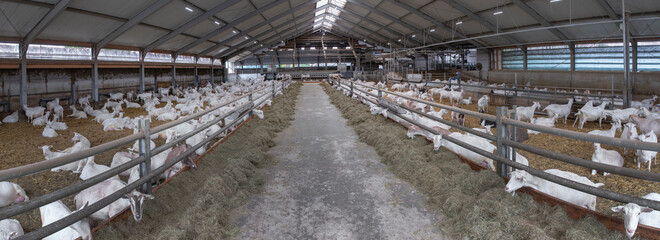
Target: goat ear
x,y
148,196
647,210
617,209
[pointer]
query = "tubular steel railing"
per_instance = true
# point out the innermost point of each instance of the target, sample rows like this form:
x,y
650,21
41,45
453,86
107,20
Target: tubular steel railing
x,y
505,146
143,160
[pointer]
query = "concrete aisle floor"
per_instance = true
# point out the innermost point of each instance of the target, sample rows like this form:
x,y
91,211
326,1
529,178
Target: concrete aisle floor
x,y
327,184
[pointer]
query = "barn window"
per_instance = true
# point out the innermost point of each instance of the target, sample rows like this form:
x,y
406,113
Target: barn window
x,y
648,56
512,59
554,57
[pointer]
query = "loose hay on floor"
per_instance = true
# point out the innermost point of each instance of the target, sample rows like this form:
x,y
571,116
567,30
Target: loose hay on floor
x,y
473,204
196,204
575,148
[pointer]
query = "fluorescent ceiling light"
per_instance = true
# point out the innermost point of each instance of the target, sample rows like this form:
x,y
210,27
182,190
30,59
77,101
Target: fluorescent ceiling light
x,y
459,22
255,42
554,1
246,38
216,22
497,13
398,40
432,30
189,9
234,31
414,35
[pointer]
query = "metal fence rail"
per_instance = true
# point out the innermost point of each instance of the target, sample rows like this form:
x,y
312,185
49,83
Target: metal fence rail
x,y
146,175
504,143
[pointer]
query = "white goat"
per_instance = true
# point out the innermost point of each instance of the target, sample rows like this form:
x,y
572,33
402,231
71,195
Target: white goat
x,y
51,104
561,110
134,200
58,113
520,178
607,133
84,101
10,228
92,169
645,155
77,114
483,103
478,142
131,104
634,215
589,113
123,157
57,210
11,118
49,132
527,113
40,121
629,132
547,122
11,193
619,115
116,96
456,96
467,101
33,112
604,156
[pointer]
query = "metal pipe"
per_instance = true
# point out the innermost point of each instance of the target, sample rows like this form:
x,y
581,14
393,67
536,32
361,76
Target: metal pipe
x,y
145,151
78,215
10,211
24,170
628,172
586,137
562,181
626,58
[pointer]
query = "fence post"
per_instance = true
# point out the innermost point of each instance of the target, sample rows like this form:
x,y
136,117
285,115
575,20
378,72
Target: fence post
x,y
145,150
250,99
500,168
351,88
274,86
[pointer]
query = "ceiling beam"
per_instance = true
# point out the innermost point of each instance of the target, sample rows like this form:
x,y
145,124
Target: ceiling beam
x,y
253,49
235,50
531,12
354,25
131,22
391,18
372,22
434,21
242,43
44,22
205,16
367,29
255,27
613,15
229,25
479,19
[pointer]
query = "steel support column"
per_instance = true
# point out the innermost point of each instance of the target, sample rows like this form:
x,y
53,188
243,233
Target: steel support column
x,y
142,89
23,72
626,58
196,77
212,73
524,52
174,74
95,74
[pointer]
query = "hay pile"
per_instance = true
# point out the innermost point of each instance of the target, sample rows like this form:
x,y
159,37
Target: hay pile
x,y
576,148
474,204
24,149
197,204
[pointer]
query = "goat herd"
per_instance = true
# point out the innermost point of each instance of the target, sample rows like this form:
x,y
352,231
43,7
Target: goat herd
x,y
189,101
638,117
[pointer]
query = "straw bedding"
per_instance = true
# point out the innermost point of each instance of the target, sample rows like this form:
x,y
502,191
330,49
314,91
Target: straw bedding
x,y
197,204
473,204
